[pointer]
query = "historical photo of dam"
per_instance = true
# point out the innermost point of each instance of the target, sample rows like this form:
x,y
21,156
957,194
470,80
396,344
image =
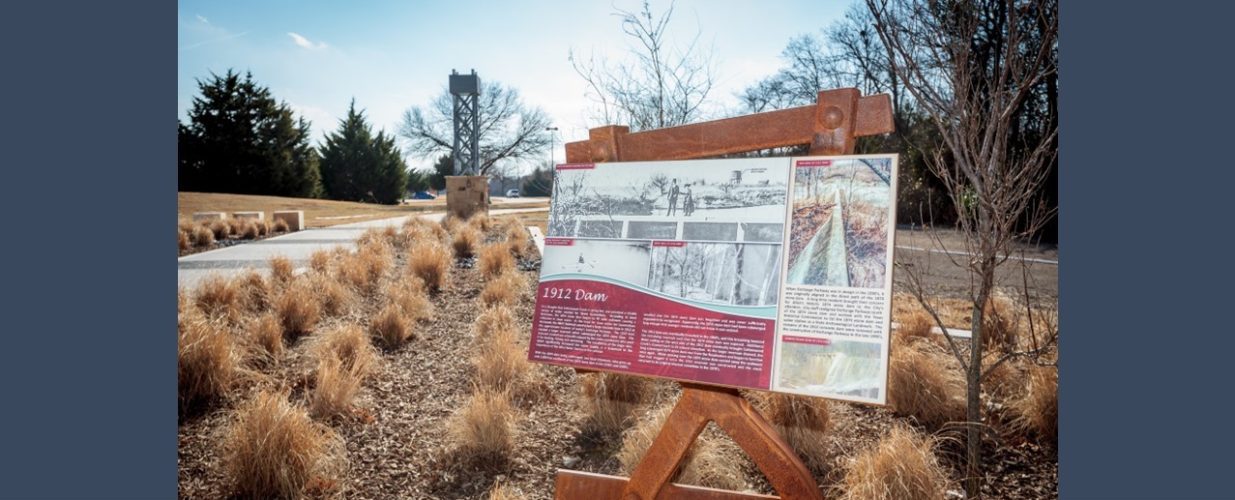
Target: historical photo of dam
x,y
841,367
841,216
698,200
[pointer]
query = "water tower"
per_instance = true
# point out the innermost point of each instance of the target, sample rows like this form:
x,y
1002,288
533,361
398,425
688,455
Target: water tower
x,y
467,192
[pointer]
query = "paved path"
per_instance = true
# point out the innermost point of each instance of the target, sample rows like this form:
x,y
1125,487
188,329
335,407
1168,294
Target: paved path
x,y
297,246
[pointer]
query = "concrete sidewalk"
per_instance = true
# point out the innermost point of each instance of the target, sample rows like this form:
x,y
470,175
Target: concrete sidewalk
x,y
297,246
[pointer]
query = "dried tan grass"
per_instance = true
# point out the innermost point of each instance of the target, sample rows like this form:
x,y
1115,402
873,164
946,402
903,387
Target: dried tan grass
x,y
480,222
465,241
917,323
450,223
1037,411
490,321
266,333
503,491
298,309
206,360
391,326
503,290
250,231
254,291
281,226
516,237
334,298
921,387
495,260
273,448
483,429
409,295
183,240
236,225
902,466
610,400
218,297
202,236
501,365
334,388
420,230
1000,323
708,463
350,345
802,421
220,229
320,261
430,261
281,270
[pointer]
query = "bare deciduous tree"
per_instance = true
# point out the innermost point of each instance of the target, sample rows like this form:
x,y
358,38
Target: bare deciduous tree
x,y
971,66
660,87
509,129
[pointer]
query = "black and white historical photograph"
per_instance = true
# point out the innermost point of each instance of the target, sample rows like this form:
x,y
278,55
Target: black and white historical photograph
x,y
627,261
721,273
841,219
669,200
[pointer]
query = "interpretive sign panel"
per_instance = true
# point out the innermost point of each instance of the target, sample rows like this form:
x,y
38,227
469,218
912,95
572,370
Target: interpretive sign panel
x,y
760,273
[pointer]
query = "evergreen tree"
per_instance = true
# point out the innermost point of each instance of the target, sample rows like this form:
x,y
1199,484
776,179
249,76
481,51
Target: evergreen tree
x,y
240,140
358,166
444,166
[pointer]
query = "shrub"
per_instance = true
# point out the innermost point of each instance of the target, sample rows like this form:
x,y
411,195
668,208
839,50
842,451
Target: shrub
x,y
465,241
902,466
183,240
281,226
202,236
265,227
923,388
298,309
266,334
802,421
334,388
504,290
281,270
391,327
273,448
220,229
516,236
1037,411
492,320
484,428
610,400
218,297
205,360
495,260
431,263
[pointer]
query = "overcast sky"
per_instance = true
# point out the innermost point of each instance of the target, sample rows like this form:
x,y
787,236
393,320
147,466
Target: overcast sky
x,y
389,56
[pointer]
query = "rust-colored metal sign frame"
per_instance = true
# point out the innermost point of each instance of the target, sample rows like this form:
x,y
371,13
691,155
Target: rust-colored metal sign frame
x,y
830,127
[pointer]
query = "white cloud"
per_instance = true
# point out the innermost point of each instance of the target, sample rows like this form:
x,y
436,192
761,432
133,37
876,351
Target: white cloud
x,y
305,42
202,19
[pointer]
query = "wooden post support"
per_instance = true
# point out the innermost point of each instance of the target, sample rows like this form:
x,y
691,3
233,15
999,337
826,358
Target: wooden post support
x,y
830,127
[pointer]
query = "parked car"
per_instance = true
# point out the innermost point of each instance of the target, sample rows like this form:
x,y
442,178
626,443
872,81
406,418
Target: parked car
x,y
422,195
512,193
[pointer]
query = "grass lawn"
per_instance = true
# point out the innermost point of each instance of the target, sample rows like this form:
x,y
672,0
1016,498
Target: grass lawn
x,y
322,213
